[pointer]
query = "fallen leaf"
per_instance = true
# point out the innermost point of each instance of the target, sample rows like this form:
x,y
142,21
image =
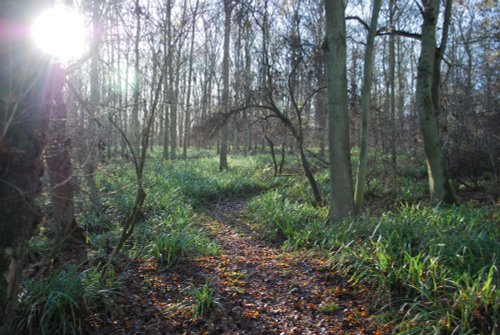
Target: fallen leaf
x,y
252,314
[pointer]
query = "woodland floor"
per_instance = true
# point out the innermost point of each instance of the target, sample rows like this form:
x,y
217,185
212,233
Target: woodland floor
x,y
258,289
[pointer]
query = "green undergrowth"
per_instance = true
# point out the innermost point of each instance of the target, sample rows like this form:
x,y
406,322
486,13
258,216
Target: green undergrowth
x,y
201,182
281,220
435,269
176,190
62,302
204,302
167,232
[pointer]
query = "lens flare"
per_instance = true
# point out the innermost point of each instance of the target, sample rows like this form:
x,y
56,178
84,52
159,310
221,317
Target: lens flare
x,y
60,32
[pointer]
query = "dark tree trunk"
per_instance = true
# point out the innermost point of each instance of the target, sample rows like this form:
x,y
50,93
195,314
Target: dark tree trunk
x,y
282,158
23,124
273,154
59,168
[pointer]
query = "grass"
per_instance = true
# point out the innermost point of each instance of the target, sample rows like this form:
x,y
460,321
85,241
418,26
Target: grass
x,y
202,183
60,303
284,220
167,232
175,190
37,246
435,269
328,308
204,302
170,248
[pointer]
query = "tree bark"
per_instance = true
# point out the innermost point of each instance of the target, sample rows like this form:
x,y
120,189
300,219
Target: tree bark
x,y
223,165
89,153
173,100
187,120
439,185
365,107
59,168
136,90
392,87
167,50
338,138
23,125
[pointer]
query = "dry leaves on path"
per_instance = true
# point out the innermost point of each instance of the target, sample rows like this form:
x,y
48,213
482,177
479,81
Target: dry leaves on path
x,y
258,289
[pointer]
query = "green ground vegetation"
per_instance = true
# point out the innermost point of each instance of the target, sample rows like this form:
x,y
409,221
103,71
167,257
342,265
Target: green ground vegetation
x,y
432,270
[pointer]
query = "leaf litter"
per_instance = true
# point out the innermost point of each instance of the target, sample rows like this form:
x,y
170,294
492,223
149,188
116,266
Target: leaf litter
x,y
256,288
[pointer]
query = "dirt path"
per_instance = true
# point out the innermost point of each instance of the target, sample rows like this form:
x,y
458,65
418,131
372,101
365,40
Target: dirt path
x,y
258,289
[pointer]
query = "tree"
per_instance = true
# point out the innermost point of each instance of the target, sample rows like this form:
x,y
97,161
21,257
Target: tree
x,y
391,86
365,106
281,95
228,7
139,160
338,138
167,50
318,32
427,96
187,119
59,167
89,159
23,125
136,94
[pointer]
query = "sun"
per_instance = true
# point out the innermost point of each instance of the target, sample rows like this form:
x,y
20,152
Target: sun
x,y
60,32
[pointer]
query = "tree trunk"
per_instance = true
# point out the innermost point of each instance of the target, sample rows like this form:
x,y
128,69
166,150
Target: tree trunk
x,y
282,158
320,110
309,174
392,88
89,153
174,98
167,50
59,168
225,91
273,154
338,137
439,186
187,120
136,91
365,107
23,125
174,70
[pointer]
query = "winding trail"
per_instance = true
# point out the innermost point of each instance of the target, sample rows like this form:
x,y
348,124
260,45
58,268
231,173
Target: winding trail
x,y
258,288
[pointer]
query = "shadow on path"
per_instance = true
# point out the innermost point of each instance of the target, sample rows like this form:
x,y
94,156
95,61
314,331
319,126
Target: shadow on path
x,y
258,289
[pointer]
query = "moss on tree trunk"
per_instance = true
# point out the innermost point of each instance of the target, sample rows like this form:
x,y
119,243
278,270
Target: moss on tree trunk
x,y
439,185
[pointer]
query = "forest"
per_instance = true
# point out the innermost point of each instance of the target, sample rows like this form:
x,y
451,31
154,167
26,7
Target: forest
x,y
249,167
